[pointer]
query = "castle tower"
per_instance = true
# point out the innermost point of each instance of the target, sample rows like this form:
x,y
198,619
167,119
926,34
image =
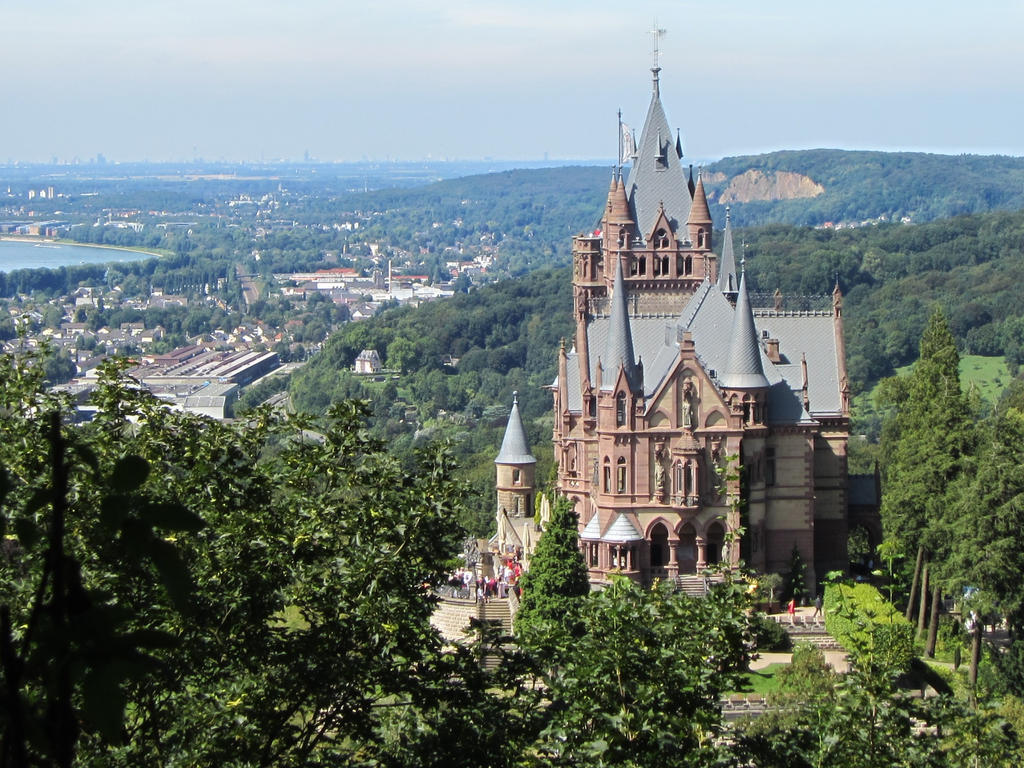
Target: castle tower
x,y
514,468
691,428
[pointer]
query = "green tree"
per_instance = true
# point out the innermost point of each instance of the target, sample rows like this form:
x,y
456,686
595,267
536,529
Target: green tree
x,y
556,582
640,684
924,445
796,579
307,634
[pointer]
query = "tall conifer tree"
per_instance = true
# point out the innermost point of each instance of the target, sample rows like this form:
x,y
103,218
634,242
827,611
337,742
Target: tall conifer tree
x,y
557,578
924,444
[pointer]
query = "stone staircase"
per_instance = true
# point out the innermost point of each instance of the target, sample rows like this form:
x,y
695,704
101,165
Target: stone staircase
x,y
806,631
694,586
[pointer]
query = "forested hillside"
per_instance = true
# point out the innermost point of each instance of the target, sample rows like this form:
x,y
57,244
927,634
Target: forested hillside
x,y
506,336
868,185
891,275
529,215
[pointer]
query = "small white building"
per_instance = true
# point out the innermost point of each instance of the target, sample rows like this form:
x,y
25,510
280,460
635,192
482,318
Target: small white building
x,y
368,361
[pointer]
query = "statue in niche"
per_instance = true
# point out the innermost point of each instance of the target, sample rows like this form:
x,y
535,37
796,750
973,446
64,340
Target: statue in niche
x,y
660,475
688,394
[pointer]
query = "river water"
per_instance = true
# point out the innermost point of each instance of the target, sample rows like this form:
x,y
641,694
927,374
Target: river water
x,y
26,254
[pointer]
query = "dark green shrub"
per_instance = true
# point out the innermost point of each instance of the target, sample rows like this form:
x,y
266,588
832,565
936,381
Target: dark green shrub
x,y
874,633
769,635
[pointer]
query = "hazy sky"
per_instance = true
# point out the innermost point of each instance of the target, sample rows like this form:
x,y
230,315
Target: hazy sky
x,y
511,79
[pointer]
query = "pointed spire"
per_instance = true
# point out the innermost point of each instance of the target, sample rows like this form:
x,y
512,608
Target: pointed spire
x,y
699,212
689,184
744,369
656,173
618,205
679,145
727,282
515,449
620,337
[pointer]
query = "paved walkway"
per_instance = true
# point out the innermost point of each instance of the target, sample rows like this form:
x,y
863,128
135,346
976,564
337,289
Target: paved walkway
x,y
835,659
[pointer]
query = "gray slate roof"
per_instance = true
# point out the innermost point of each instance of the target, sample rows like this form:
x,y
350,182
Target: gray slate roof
x,y
727,282
657,174
709,318
813,335
744,369
514,447
619,348
622,531
593,528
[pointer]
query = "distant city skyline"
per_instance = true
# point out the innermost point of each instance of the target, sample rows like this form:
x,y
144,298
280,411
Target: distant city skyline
x,y
228,80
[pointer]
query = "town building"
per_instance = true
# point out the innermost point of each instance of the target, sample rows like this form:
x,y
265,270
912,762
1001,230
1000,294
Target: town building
x,y
368,362
691,427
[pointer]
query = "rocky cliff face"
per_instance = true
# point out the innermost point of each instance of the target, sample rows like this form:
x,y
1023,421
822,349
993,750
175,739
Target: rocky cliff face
x,y
759,185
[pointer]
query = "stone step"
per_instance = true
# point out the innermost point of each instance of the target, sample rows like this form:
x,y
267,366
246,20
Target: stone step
x,y
695,586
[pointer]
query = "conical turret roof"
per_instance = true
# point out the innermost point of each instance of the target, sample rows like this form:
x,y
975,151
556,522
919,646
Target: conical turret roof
x,y
515,449
618,204
727,282
699,212
620,338
744,369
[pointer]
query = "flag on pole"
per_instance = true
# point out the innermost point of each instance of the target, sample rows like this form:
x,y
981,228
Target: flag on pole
x,y
627,144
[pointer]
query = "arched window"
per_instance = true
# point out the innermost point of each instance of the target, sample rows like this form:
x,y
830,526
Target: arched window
x,y
620,409
677,479
664,265
661,239
622,236
621,475
517,476
700,238
688,267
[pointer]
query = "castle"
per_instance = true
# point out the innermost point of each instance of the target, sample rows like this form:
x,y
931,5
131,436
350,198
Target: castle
x,y
691,428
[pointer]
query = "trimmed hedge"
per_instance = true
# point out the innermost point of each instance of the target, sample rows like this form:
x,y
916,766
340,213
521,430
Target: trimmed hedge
x,y
872,631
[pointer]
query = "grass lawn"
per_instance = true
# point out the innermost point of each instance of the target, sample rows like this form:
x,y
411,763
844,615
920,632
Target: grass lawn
x,y
989,376
762,681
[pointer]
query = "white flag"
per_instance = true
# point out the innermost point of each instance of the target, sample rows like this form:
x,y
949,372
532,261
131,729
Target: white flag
x,y
626,142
